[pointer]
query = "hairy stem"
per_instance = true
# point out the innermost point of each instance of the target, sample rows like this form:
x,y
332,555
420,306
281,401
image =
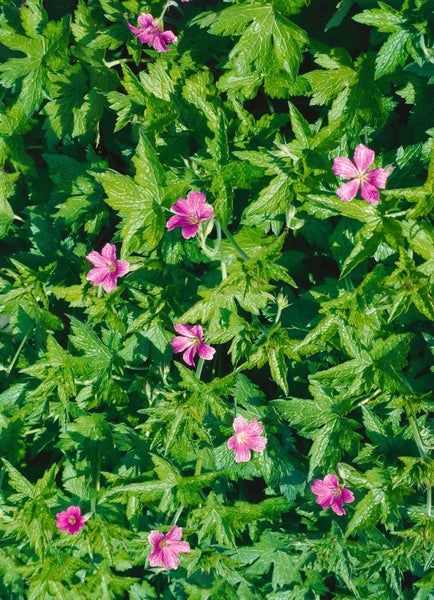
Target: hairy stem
x,y
199,368
178,514
20,347
234,243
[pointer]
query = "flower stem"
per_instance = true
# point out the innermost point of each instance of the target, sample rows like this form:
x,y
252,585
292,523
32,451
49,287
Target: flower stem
x,y
416,434
234,243
217,246
429,183
20,347
198,467
178,514
424,454
168,4
199,368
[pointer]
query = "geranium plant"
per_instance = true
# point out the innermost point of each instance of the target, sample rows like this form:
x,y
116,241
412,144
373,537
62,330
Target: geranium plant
x,y
216,299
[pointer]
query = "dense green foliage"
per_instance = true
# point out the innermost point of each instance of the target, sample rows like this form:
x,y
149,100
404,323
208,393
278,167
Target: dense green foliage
x,y
320,311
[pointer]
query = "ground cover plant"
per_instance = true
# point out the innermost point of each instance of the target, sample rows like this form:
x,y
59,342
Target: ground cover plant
x,y
216,307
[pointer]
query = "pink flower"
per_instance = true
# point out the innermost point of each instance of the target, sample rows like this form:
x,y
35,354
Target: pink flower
x,y
190,342
330,493
190,212
107,268
359,175
166,548
150,32
70,520
247,437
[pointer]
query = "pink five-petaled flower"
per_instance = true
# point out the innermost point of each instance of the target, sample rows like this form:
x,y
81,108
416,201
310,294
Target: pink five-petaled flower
x,y
247,437
330,493
70,520
150,32
190,212
190,342
107,268
360,176
166,548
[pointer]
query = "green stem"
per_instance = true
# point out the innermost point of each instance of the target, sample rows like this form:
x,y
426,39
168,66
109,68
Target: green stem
x,y
234,243
217,246
416,434
366,400
96,473
178,514
424,454
198,467
429,183
119,61
168,4
199,368
278,314
223,265
397,214
20,347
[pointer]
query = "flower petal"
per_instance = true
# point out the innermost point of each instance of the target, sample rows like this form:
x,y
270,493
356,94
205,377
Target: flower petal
x,y
348,190
174,534
155,537
189,355
331,481
337,506
97,259
363,157
97,275
135,30
145,36
343,167
183,207
155,558
324,500
122,267
110,283
254,428
170,558
257,443
233,442
206,212
318,486
180,547
181,343
109,252
177,221
370,193
168,36
197,331
206,352
240,424
347,495
189,231
158,43
146,20
378,177
196,200
242,453
184,330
